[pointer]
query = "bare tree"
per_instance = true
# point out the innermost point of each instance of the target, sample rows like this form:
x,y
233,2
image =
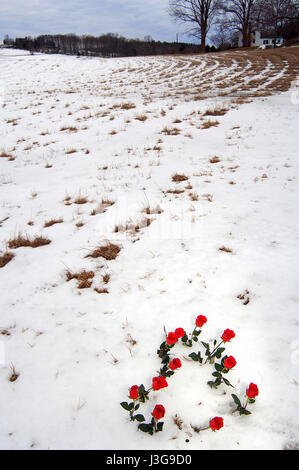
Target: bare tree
x,y
199,14
242,15
223,38
276,13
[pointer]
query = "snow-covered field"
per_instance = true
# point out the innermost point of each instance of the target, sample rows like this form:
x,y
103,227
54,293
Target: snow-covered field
x,y
94,144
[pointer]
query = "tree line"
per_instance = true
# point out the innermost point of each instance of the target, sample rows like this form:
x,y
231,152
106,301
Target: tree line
x,y
107,45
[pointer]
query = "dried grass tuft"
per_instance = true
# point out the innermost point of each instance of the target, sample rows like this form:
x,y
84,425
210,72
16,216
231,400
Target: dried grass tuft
x,y
109,251
51,222
83,277
24,241
6,258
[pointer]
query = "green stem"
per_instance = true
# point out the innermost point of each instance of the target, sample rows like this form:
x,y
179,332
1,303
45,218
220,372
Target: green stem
x,y
214,350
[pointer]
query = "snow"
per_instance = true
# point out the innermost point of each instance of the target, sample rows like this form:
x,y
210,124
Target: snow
x,y
73,348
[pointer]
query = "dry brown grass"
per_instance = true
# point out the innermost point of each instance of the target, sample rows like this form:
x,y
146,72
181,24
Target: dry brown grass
x,y
25,241
127,106
51,222
175,191
6,258
102,291
69,129
141,117
14,375
170,131
179,178
106,278
4,154
215,159
83,277
208,124
107,202
216,112
225,249
193,196
109,251
81,200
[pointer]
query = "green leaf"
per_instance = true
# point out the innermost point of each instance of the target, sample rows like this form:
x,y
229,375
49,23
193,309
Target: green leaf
x,y
165,359
251,400
218,367
212,384
145,427
196,332
125,406
205,345
169,373
219,352
236,400
227,383
137,407
195,339
140,418
160,427
193,356
184,339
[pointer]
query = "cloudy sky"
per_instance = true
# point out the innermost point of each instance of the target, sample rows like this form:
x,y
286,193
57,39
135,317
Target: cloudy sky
x,y
130,18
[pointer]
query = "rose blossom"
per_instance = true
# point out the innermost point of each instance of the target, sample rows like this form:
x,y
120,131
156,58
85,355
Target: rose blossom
x,y
171,338
159,412
227,335
252,391
229,362
134,392
200,320
216,423
159,382
179,332
175,364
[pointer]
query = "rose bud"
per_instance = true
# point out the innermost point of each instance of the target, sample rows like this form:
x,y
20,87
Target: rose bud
x,y
252,391
227,335
159,382
134,392
229,362
216,423
159,412
175,364
200,320
179,332
171,338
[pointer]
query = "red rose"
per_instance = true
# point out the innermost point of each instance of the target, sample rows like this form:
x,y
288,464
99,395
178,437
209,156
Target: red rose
x,y
252,391
159,382
229,362
171,338
227,335
200,320
179,332
159,412
216,423
175,364
134,392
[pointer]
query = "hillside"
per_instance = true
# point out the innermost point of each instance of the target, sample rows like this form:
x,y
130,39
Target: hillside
x,y
137,194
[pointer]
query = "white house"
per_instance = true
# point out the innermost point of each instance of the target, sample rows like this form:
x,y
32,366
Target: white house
x,y
260,40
